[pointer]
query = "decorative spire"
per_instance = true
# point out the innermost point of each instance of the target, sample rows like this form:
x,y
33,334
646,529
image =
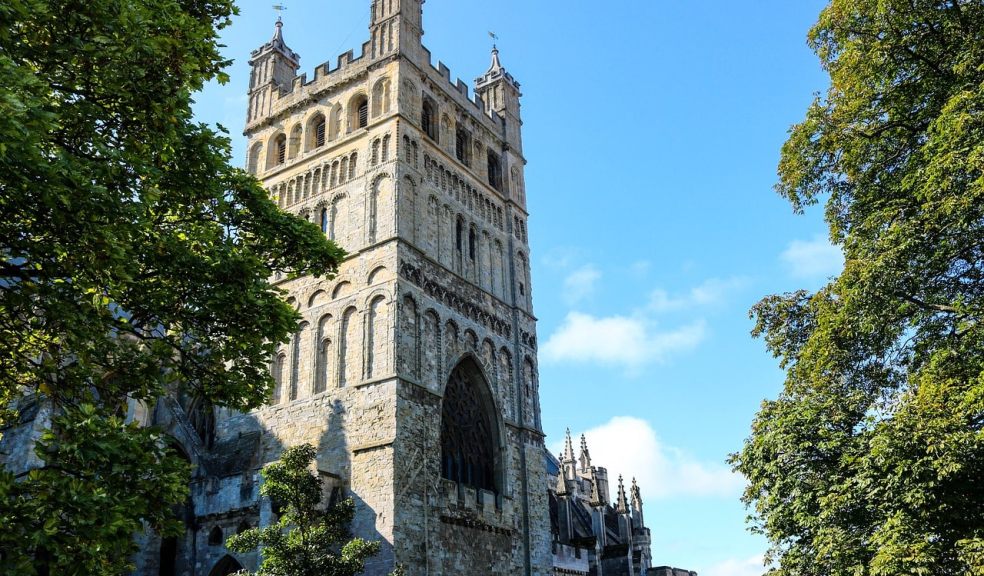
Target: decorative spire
x,y
585,455
496,64
277,45
637,519
621,505
495,72
568,449
278,33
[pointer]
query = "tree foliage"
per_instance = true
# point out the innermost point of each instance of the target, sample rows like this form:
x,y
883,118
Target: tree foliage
x,y
133,259
309,539
870,461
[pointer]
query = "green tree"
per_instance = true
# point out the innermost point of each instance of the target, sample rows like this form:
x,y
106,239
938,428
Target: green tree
x,y
309,539
133,260
871,459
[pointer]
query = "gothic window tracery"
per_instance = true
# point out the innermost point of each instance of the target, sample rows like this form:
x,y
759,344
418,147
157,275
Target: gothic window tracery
x,y
469,430
201,416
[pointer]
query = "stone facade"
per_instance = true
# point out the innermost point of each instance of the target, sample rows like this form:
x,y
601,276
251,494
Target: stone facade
x,y
414,370
422,185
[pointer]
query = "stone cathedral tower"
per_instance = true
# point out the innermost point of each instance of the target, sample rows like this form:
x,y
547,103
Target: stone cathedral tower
x,y
414,371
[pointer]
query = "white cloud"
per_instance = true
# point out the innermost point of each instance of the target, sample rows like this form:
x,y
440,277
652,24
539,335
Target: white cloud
x,y
709,293
640,337
622,340
631,448
813,259
580,284
753,566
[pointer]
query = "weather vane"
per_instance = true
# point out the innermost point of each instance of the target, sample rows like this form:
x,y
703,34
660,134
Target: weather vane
x,y
280,10
494,38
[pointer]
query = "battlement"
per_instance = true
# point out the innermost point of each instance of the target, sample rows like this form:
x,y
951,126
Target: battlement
x,y
348,66
461,91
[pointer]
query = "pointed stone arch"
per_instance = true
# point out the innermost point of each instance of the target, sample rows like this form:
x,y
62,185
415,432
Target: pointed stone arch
x,y
471,430
226,566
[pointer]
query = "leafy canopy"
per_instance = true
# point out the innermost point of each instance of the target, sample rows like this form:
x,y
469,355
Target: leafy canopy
x,y
870,460
133,259
309,539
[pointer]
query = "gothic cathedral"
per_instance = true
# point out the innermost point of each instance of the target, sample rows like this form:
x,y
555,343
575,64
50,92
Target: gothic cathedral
x,y
414,371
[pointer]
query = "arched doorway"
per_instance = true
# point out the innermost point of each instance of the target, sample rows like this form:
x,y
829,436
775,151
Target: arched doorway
x,y
227,565
470,444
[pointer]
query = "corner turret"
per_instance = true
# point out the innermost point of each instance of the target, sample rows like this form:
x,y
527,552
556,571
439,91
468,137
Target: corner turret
x,y
273,67
500,92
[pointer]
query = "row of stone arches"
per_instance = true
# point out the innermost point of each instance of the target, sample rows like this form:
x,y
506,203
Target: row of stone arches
x,y
379,150
327,175
458,187
428,344
325,124
338,349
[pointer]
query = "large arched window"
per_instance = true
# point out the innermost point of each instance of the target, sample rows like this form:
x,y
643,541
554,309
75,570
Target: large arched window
x,y
470,453
227,565
201,416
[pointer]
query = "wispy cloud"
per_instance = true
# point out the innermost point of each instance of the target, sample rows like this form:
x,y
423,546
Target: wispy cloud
x,y
708,293
630,447
812,259
638,337
753,566
580,284
619,340
561,257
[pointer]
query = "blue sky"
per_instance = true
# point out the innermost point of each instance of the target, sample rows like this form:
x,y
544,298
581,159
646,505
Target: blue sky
x,y
652,130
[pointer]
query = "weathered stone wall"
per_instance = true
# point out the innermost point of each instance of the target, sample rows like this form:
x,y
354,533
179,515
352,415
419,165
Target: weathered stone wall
x,y
437,272
18,440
